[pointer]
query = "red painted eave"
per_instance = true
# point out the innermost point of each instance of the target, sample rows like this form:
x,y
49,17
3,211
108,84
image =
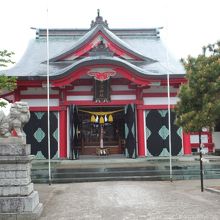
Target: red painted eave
x,y
30,83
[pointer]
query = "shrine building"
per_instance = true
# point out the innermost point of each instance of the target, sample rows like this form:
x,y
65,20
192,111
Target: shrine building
x,y
108,93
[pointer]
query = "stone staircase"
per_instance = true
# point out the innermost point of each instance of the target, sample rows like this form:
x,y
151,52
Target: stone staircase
x,y
126,169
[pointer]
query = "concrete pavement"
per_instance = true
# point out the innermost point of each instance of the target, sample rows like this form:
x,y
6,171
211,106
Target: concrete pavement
x,y
130,200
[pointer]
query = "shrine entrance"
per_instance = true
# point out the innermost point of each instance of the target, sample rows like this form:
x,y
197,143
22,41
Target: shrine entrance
x,y
101,130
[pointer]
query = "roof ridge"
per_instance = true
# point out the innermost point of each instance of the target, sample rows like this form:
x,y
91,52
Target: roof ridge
x,y
98,21
65,32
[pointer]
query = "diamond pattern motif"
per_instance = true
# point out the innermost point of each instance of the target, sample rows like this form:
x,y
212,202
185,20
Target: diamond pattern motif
x,y
157,139
163,113
39,135
39,114
164,132
148,132
130,133
55,134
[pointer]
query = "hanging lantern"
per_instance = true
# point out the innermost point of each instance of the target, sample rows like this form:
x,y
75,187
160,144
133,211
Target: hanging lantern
x,y
110,118
101,120
93,119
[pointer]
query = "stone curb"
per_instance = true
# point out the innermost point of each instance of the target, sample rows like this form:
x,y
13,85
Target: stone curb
x,y
213,190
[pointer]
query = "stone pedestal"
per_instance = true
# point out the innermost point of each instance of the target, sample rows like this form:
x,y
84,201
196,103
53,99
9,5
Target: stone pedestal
x,y
18,200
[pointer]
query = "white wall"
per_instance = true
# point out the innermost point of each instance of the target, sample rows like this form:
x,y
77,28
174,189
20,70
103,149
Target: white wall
x,y
216,139
123,97
160,100
80,98
40,102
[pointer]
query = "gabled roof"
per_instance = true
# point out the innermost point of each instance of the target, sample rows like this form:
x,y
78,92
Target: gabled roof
x,y
142,51
101,34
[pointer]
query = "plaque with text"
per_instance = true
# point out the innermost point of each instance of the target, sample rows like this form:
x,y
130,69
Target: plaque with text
x,y
102,91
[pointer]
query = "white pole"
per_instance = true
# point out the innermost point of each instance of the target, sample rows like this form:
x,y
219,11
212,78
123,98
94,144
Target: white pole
x,y
48,99
169,125
169,118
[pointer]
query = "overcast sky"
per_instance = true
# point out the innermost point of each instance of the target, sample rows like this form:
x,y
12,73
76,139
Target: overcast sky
x,y
187,24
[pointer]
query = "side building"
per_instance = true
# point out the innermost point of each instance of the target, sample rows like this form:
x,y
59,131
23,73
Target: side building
x,y
108,89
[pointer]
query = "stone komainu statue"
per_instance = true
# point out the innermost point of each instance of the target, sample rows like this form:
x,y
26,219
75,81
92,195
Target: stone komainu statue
x,y
19,115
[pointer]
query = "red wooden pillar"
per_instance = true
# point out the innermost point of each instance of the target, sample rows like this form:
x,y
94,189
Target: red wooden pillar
x,y
140,132
186,143
63,134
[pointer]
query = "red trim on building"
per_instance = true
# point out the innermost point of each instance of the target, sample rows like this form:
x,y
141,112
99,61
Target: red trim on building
x,y
62,96
140,131
63,134
186,144
121,53
133,78
139,80
70,78
139,94
209,144
81,51
116,49
30,83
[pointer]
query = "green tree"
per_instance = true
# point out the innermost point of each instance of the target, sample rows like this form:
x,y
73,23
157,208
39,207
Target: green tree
x,y
6,83
199,105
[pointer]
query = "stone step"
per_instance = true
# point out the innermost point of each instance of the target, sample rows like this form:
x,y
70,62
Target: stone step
x,y
125,178
110,169
130,173
125,173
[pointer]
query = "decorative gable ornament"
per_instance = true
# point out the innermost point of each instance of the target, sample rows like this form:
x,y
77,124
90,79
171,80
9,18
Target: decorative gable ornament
x,y
102,74
101,49
99,20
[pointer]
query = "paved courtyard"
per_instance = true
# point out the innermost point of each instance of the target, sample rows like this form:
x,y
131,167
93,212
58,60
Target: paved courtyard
x,y
129,200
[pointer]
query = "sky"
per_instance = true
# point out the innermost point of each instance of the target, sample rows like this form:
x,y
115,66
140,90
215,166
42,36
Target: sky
x,y
188,25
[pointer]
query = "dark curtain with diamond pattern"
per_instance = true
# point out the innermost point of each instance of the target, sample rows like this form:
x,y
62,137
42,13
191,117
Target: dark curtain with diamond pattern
x,y
73,132
36,131
130,131
157,134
